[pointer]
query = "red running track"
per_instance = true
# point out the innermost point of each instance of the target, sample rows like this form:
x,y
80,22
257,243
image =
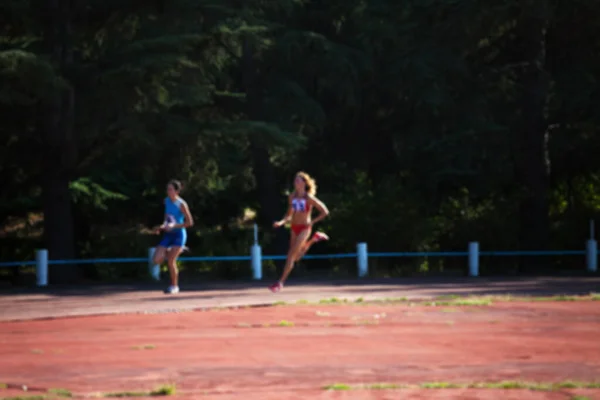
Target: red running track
x,y
254,353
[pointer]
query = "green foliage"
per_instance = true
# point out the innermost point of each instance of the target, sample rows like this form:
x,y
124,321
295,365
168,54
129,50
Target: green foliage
x,y
85,191
410,114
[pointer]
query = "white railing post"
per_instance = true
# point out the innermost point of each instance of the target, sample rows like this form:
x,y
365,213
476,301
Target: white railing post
x,y
256,257
154,269
362,259
474,259
41,267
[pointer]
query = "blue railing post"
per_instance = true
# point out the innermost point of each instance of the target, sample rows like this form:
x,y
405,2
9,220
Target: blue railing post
x,y
592,255
154,269
474,259
41,267
256,257
591,250
362,259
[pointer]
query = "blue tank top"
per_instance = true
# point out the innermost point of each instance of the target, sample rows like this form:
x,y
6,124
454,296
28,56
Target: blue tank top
x,y
173,213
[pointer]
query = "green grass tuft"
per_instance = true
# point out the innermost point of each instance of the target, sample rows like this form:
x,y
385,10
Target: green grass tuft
x,y
391,300
280,303
472,301
385,386
302,301
338,386
367,322
448,297
503,385
466,301
144,347
333,300
60,392
556,298
164,390
125,394
285,323
439,385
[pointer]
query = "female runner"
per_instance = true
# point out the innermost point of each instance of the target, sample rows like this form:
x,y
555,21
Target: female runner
x,y
177,219
301,203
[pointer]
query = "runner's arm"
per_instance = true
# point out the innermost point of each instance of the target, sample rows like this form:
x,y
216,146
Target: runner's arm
x,y
189,220
319,205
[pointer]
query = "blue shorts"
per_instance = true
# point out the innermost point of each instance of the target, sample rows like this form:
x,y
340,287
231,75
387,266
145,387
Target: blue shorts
x,y
174,239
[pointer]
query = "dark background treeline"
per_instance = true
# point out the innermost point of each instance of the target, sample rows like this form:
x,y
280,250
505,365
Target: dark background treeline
x,y
427,124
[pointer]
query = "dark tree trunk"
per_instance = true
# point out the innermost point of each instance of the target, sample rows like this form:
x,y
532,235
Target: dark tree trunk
x,y
532,153
59,147
264,172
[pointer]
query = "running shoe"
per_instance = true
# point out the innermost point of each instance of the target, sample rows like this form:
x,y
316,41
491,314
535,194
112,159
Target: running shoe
x,y
276,287
320,236
172,290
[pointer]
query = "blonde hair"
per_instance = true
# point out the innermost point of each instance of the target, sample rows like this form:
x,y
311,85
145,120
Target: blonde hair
x,y
311,184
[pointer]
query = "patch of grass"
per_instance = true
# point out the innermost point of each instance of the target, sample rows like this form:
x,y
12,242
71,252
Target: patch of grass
x,y
333,300
144,347
571,385
165,390
472,301
556,298
448,297
125,394
285,323
3,386
338,386
448,300
367,322
385,386
60,392
391,300
581,398
511,385
538,386
533,386
466,301
439,385
25,398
